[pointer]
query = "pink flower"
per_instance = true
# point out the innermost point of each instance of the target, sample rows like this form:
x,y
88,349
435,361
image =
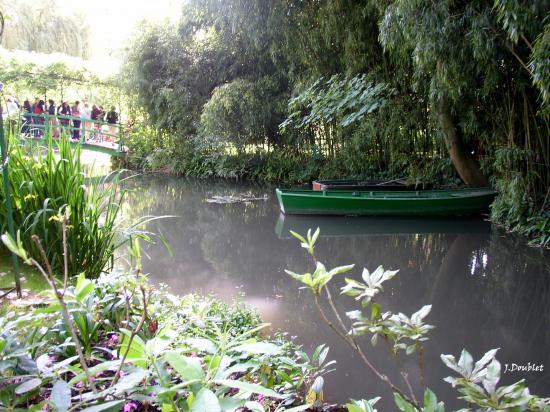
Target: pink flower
x,y
260,398
46,406
113,340
129,407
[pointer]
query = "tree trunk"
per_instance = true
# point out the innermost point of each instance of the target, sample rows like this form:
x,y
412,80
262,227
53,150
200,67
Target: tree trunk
x,y
464,163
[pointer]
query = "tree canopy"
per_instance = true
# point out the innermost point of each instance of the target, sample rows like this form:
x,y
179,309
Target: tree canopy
x,y
393,86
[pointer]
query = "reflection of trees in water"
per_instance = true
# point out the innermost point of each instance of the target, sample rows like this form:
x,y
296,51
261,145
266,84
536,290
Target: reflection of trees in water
x,y
486,290
517,281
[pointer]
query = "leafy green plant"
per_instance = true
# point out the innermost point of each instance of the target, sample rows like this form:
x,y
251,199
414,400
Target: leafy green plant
x,y
478,384
46,183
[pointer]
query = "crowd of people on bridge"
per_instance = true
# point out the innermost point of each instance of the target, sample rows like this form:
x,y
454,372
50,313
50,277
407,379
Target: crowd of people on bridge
x,y
80,121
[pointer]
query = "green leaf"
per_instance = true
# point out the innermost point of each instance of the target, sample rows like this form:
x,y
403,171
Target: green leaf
x,y
258,348
130,381
402,404
317,386
375,311
28,386
83,287
430,401
341,269
230,404
157,345
137,352
109,365
411,349
466,363
201,344
249,387
167,407
298,408
296,235
254,406
206,401
188,368
353,408
60,398
492,376
103,406
16,247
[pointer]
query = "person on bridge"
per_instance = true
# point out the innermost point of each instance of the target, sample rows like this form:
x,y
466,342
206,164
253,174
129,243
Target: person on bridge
x,y
96,113
76,122
39,111
64,110
112,119
27,110
52,120
86,115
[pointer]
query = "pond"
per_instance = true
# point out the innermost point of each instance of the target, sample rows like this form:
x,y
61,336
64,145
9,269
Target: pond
x,y
488,289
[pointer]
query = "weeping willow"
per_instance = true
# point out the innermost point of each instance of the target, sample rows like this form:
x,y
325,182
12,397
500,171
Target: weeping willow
x,y
40,27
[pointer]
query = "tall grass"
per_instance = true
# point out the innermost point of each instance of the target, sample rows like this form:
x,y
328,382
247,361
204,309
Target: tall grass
x,y
46,181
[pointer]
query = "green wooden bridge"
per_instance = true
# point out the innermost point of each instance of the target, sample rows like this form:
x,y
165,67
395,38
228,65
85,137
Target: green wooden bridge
x,y
97,136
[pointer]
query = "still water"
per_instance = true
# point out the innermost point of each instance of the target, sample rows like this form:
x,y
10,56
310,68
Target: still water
x,y
488,290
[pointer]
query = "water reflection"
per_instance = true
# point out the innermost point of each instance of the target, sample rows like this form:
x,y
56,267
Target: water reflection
x,y
487,290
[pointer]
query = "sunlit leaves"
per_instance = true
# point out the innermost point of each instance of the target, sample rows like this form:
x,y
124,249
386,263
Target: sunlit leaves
x,y
188,368
478,384
341,99
309,241
317,280
431,403
364,292
362,405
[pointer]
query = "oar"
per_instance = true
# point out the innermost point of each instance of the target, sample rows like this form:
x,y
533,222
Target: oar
x,y
390,181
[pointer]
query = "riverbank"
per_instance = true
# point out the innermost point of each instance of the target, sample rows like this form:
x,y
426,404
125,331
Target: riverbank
x,y
514,209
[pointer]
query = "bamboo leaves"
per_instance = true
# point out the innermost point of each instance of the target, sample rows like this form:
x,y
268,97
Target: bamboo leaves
x,y
339,99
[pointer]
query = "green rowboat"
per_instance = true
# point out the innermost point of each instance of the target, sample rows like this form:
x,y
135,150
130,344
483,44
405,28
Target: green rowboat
x,y
452,202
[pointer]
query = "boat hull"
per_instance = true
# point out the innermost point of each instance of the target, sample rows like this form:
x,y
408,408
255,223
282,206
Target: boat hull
x,y
457,202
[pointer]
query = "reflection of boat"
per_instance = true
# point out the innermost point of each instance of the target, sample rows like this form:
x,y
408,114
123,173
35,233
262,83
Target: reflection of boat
x,y
392,185
450,202
335,226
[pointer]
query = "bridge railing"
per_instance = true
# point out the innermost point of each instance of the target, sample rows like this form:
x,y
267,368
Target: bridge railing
x,y
89,131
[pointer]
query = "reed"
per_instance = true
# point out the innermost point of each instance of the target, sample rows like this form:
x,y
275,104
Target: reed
x,y
46,181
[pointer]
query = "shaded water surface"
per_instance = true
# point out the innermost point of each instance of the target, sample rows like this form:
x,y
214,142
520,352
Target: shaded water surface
x,y
487,289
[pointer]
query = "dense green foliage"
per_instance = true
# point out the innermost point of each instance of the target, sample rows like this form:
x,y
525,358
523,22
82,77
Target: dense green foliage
x,y
45,184
434,91
146,348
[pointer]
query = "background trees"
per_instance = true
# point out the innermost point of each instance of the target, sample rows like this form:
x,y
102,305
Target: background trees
x,y
466,89
38,26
